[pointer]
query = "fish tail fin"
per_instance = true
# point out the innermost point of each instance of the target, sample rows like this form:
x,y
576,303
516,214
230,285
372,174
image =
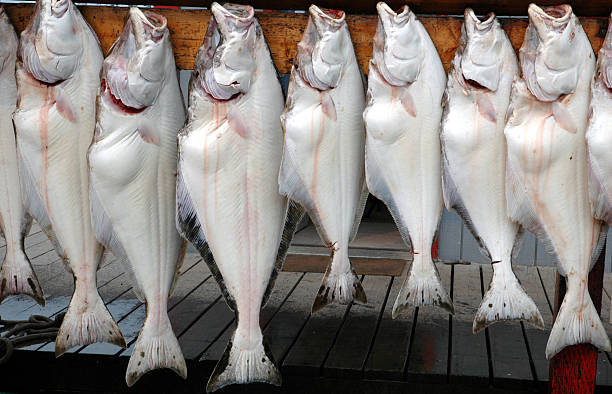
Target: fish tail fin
x,y
156,347
506,300
422,287
577,322
240,365
340,283
87,321
18,277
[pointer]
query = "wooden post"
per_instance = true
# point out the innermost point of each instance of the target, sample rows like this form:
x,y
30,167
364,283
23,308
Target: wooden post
x,y
573,370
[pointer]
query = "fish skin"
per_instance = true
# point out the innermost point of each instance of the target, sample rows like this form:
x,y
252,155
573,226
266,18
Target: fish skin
x,y
323,157
228,204
474,161
16,273
598,134
54,122
133,179
546,183
402,154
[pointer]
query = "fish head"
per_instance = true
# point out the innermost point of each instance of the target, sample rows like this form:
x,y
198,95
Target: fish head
x,y
604,59
8,39
323,50
225,64
134,70
481,51
51,46
550,55
397,45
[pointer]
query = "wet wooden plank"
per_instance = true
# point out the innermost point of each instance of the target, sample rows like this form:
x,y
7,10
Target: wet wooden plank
x,y
508,349
471,250
527,253
449,236
285,327
284,30
543,259
530,280
428,358
299,261
348,355
314,342
469,361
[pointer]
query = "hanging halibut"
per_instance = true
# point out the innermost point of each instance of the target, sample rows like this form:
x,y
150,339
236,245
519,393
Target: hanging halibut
x,y
133,178
547,165
17,275
58,76
228,203
323,157
474,161
599,134
405,86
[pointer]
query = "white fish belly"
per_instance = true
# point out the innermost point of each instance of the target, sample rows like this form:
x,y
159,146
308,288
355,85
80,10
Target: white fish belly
x,y
134,181
474,160
231,176
53,152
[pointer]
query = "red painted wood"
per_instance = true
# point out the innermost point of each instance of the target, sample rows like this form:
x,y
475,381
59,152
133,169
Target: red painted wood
x,y
573,370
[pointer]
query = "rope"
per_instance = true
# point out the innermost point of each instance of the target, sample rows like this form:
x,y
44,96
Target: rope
x,y
21,333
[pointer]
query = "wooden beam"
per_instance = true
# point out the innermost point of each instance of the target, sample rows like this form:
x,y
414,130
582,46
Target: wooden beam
x,y
361,265
446,7
284,30
573,370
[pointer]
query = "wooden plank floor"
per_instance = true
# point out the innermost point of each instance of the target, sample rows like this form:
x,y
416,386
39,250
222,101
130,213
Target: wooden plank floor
x,y
331,351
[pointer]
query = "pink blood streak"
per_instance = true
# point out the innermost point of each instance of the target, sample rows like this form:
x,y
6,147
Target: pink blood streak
x,y
63,107
44,140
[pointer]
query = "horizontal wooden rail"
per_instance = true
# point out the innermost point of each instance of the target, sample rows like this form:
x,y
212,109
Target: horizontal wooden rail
x,y
446,7
284,30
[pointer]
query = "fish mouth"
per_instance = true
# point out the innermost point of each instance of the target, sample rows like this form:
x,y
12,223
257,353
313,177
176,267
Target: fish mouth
x,y
330,17
243,14
402,15
59,7
147,25
555,17
482,24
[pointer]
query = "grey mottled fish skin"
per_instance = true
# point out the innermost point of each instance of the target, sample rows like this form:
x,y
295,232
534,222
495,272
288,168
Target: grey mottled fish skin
x,y
402,154
58,77
16,273
133,178
599,134
228,204
474,161
546,183
323,156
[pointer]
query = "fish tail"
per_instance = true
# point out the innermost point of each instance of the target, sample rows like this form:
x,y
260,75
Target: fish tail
x,y
340,283
506,300
17,277
577,322
87,321
156,347
240,365
422,287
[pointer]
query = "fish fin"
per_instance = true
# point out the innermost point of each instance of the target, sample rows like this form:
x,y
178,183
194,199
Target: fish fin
x,y
18,277
408,102
486,108
87,321
506,300
522,211
363,199
155,348
294,215
379,187
599,245
241,366
577,324
105,234
600,204
35,207
453,200
424,289
189,227
344,287
328,107
563,117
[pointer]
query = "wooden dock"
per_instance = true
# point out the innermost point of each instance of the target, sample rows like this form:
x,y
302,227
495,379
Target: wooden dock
x,y
343,348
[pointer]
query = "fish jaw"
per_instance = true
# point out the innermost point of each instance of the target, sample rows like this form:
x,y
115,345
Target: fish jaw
x,y
552,51
397,45
49,48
